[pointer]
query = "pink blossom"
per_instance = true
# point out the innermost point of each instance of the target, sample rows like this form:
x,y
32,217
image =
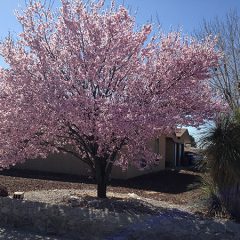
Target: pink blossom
x,y
88,83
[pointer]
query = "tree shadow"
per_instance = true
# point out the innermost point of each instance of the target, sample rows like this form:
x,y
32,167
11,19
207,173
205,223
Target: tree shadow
x,y
7,233
174,224
32,174
166,181
24,219
64,222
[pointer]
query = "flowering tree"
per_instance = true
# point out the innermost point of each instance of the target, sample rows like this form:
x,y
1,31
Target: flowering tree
x,y
85,81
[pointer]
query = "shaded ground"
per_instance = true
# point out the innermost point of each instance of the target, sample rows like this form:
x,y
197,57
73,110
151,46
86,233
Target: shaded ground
x,y
165,224
178,187
7,233
168,225
114,204
174,224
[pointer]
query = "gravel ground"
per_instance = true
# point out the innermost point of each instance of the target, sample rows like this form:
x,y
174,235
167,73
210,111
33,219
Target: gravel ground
x,y
176,193
115,201
170,221
7,233
174,224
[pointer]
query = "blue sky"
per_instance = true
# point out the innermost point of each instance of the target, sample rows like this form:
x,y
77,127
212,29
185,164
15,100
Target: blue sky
x,y
187,14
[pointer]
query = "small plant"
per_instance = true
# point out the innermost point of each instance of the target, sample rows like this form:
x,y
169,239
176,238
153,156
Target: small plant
x,y
3,191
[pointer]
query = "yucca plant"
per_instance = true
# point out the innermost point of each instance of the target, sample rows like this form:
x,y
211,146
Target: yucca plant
x,y
222,148
214,204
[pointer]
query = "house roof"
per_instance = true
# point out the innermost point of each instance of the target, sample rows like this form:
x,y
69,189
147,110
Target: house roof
x,y
180,131
182,134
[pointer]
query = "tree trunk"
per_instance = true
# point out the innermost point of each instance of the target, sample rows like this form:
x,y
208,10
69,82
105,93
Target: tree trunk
x,y
101,178
101,189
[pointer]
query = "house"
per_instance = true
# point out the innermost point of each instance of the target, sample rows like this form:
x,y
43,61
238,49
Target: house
x,y
171,149
175,144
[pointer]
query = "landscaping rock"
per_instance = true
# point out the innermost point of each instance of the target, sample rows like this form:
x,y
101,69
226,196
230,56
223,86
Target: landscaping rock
x,y
75,201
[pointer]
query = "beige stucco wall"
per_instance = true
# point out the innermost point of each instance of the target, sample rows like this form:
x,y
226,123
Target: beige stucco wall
x,y
134,172
57,163
68,164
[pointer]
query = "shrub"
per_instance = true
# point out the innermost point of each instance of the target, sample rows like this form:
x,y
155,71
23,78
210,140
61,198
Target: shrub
x,y
222,147
214,204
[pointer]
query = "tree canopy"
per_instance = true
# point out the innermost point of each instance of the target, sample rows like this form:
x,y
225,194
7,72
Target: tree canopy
x,y
86,81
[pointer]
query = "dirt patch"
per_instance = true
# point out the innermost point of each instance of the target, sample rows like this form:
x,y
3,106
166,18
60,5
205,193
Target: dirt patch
x,y
179,187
